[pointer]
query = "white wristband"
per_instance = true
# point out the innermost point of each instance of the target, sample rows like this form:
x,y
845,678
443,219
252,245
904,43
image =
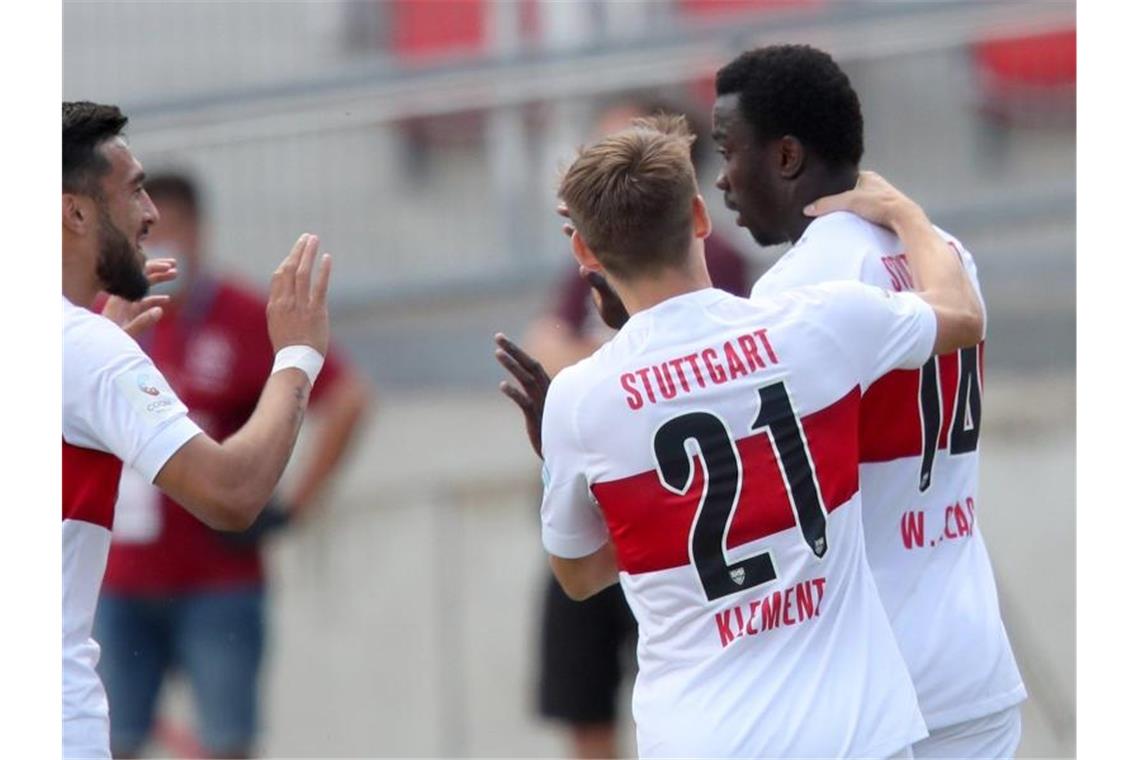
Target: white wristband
x,y
305,358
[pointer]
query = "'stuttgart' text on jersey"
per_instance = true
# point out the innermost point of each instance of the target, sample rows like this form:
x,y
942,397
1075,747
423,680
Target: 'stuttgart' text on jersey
x,y
715,442
117,409
918,470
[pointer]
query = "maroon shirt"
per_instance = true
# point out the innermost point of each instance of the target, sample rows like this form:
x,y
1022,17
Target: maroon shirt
x,y
215,353
727,269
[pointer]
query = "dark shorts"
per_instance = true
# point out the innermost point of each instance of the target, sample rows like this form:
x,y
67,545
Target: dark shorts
x,y
585,648
215,638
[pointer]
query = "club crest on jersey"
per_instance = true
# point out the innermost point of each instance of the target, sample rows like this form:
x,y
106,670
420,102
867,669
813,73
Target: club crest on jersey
x,y
737,575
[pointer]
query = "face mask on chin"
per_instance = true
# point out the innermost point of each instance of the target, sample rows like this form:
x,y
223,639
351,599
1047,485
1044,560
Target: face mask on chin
x,y
178,284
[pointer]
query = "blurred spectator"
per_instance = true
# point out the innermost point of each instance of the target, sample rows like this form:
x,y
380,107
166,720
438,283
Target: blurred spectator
x,y
586,647
178,595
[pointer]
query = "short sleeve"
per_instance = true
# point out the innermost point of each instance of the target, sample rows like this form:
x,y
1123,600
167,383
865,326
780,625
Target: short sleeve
x,y
572,525
880,330
116,400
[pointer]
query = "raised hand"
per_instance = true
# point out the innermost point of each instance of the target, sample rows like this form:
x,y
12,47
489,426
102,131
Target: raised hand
x,y
534,382
297,311
136,317
873,198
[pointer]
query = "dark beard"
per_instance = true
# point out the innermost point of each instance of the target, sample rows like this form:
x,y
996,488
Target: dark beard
x,y
119,269
765,239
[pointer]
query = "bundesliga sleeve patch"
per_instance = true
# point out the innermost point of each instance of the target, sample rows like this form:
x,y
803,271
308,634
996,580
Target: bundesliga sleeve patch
x,y
149,395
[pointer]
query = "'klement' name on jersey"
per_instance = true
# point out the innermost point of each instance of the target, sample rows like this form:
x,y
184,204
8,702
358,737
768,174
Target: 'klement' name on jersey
x,y
786,607
734,358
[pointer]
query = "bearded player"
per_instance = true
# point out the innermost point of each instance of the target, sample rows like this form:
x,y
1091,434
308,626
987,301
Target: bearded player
x,y
118,410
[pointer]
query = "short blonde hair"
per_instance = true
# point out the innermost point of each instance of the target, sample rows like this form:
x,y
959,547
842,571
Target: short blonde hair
x,y
630,196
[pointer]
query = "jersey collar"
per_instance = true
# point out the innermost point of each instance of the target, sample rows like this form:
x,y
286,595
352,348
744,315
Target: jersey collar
x,y
698,298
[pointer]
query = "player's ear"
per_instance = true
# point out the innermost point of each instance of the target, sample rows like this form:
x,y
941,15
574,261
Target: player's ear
x,y
76,216
584,254
702,223
790,157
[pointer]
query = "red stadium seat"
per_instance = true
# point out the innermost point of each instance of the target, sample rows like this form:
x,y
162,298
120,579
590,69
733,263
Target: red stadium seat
x,y
1028,80
440,28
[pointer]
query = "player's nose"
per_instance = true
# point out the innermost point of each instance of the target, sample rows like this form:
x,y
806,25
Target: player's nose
x,y
721,180
150,211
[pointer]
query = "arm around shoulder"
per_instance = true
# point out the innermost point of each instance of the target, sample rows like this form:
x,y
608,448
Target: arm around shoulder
x,y
940,276
942,282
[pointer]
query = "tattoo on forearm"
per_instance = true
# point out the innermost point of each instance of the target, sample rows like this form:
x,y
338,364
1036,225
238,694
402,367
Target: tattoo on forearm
x,y
300,395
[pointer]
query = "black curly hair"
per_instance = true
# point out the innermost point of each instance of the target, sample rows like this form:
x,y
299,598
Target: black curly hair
x,y
800,91
86,126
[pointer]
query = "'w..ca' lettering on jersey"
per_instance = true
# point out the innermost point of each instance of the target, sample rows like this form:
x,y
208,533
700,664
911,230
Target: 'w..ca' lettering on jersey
x,y
919,477
117,409
714,440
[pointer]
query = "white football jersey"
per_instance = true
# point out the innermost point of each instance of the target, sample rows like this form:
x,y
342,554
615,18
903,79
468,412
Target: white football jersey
x,y
117,409
714,440
919,477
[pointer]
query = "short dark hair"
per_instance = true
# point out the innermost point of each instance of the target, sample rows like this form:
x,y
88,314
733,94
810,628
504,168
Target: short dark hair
x,y
174,185
86,126
630,196
800,91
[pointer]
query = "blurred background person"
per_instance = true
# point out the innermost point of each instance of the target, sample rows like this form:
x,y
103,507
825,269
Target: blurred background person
x,y
586,648
178,596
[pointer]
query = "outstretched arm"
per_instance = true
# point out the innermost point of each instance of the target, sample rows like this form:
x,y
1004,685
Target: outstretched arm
x,y
227,484
940,278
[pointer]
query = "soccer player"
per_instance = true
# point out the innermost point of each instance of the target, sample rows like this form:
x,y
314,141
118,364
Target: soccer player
x,y
175,592
586,648
707,458
790,128
118,410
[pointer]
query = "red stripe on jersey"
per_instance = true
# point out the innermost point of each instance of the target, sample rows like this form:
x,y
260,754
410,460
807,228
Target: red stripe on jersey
x,y
890,424
831,434
90,485
650,525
